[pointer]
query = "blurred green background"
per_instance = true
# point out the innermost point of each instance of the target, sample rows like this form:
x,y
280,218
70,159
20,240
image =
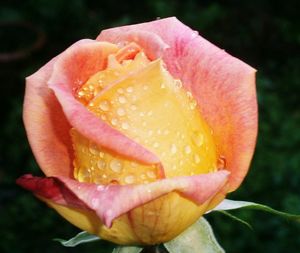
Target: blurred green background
x,y
263,33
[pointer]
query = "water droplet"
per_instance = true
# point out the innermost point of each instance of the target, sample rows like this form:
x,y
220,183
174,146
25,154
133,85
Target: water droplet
x,y
125,125
189,95
151,174
195,34
150,113
159,131
187,149
156,145
178,84
114,121
104,105
166,132
162,86
101,164
142,114
104,176
145,87
101,154
133,107
173,149
120,91
122,100
129,89
116,165
93,148
80,93
198,139
129,179
121,112
197,159
103,117
144,123
193,104
150,132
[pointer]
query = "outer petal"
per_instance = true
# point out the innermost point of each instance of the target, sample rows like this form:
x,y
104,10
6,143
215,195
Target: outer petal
x,y
111,201
46,126
223,86
72,69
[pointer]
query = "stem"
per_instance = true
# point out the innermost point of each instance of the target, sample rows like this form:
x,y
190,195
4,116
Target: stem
x,y
154,249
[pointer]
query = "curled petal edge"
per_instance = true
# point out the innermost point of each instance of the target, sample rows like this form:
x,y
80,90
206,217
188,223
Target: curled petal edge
x,y
111,201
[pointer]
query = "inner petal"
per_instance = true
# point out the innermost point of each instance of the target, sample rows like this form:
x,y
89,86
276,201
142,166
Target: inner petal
x,y
142,100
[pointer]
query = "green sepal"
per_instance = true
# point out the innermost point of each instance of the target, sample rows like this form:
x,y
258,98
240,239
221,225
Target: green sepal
x,y
198,238
228,204
236,218
127,249
80,238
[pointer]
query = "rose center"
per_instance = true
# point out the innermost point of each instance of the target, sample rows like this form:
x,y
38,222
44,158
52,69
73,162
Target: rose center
x,y
139,98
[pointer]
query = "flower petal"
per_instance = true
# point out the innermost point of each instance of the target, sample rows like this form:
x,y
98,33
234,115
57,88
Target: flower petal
x,y
46,126
70,71
111,201
223,86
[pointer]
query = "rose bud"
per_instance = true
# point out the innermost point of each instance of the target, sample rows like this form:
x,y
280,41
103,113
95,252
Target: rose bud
x,y
141,131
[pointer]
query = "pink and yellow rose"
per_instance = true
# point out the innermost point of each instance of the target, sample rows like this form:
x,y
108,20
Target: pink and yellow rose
x,y
140,131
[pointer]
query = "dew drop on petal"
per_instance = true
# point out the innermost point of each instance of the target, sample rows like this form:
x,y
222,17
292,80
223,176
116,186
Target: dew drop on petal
x,y
114,121
155,144
121,112
187,149
122,100
197,159
173,149
104,105
133,107
101,164
129,179
115,165
120,91
125,125
93,148
151,174
129,89
198,139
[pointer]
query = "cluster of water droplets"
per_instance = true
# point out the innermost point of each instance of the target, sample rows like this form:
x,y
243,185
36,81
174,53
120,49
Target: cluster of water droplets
x,y
159,115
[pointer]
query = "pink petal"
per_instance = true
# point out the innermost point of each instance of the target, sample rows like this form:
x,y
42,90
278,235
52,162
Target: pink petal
x,y
46,126
111,201
223,86
72,69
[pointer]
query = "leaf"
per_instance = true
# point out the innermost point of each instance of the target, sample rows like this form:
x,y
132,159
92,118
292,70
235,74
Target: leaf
x,y
127,249
82,237
198,238
236,219
228,204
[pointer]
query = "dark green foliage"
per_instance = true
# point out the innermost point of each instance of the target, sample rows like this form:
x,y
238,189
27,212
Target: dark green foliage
x,y
263,33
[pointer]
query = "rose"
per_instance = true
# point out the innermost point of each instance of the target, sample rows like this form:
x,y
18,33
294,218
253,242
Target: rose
x,y
140,131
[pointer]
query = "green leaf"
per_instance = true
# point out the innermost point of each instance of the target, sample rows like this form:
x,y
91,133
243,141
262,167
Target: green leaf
x,y
228,204
82,237
127,249
198,238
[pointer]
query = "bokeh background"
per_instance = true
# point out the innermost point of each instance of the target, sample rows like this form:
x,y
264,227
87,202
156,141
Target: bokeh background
x,y
263,33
